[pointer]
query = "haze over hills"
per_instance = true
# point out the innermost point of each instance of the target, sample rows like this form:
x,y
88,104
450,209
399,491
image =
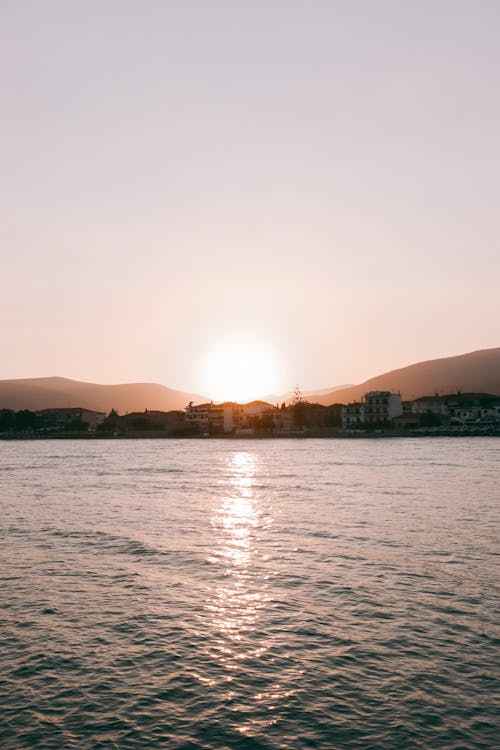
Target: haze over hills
x,y
43,393
312,396
475,372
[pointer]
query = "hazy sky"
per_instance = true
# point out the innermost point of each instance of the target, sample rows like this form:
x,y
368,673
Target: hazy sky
x,y
319,179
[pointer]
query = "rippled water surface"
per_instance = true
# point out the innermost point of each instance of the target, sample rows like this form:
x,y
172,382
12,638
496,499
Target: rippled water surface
x,y
249,594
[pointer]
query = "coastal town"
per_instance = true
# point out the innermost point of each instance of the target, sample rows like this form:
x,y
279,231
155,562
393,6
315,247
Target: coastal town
x,y
378,413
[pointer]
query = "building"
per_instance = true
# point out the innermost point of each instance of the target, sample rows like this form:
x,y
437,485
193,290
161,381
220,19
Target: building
x,y
228,417
353,415
430,405
59,418
382,406
470,407
377,407
169,422
407,421
202,416
407,407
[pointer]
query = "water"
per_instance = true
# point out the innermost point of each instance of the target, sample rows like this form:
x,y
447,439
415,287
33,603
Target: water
x,y
249,594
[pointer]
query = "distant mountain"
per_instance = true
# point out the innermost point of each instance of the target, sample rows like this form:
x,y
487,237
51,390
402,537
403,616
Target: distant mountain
x,y
323,391
312,396
476,372
44,393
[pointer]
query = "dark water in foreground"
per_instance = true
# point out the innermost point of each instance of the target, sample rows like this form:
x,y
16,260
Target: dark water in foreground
x,y
249,594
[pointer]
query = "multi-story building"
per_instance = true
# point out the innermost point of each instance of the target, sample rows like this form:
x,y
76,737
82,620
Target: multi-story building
x,y
205,417
382,406
227,417
377,407
353,415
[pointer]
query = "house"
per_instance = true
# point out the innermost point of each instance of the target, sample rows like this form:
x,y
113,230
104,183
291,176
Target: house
x,y
59,418
407,407
252,410
430,405
469,407
353,415
407,421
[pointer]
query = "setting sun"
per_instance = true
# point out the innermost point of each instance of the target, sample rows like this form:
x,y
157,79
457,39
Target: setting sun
x,y
240,369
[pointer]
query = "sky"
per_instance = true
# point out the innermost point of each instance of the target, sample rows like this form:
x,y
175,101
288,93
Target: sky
x,y
304,190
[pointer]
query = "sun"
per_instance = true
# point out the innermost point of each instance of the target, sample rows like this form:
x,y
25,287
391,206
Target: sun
x,y
240,369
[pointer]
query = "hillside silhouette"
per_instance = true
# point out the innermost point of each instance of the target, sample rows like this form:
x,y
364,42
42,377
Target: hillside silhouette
x,y
475,372
43,393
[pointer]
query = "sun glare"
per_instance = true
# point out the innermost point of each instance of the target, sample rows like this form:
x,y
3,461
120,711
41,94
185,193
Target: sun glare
x,y
240,369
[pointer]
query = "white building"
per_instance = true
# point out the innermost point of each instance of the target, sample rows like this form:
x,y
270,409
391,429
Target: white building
x,y
198,416
227,417
382,406
353,415
377,407
430,405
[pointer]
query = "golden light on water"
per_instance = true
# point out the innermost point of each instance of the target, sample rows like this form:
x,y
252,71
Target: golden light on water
x,y
238,513
239,603
235,605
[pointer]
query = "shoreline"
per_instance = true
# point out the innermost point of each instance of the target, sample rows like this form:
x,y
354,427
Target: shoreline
x,y
309,436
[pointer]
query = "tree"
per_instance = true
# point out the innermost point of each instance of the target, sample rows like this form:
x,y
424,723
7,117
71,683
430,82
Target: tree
x,y
25,420
7,419
430,420
298,408
110,423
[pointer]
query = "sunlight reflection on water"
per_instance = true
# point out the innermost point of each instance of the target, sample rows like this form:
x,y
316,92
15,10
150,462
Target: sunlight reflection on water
x,y
321,594
242,642
235,519
238,601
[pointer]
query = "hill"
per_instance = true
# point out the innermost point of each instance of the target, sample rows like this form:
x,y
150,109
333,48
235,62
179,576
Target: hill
x,y
475,372
43,393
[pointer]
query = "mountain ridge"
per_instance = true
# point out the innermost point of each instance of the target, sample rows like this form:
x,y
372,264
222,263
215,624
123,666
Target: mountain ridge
x,y
56,391
477,371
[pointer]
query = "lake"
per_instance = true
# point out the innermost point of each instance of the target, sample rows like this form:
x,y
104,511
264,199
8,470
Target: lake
x,y
274,594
